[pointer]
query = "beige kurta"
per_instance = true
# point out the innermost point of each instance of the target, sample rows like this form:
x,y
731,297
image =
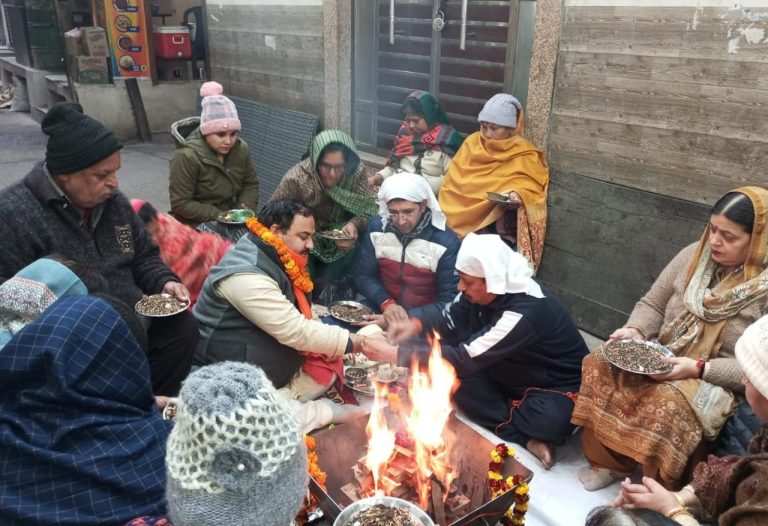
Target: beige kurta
x,y
664,301
260,300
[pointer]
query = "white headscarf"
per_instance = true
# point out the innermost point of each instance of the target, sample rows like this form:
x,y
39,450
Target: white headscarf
x,y
752,354
505,271
411,187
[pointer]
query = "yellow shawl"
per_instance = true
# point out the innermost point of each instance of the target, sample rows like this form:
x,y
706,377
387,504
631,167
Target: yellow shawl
x,y
482,166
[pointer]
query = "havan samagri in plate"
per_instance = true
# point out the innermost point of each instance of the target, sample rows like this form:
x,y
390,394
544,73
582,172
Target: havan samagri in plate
x,y
236,216
160,305
638,356
349,311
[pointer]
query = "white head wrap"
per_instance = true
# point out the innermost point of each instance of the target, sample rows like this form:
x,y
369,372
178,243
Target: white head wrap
x,y
505,271
752,354
411,187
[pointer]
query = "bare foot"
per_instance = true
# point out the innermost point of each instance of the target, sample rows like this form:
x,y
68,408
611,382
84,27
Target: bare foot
x,y
543,451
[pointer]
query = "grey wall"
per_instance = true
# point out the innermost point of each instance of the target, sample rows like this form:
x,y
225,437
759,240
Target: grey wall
x,y
270,51
659,109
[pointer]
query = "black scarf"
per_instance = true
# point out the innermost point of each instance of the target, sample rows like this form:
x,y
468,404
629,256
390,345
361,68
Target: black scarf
x,y
424,221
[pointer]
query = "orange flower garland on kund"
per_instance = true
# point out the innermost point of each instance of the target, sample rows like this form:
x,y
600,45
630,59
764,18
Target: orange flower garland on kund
x,y
299,276
312,462
515,516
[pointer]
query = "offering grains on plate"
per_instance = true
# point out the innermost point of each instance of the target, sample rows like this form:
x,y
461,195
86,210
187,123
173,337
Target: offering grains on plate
x,y
235,216
158,305
382,515
336,234
349,311
363,379
357,378
637,356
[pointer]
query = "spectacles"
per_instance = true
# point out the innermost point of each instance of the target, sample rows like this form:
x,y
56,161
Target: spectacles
x,y
338,168
405,214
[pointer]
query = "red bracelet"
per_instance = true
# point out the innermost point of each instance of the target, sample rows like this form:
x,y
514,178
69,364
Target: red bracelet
x,y
700,366
387,303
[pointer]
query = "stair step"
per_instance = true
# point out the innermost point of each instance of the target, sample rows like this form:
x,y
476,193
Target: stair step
x,y
38,112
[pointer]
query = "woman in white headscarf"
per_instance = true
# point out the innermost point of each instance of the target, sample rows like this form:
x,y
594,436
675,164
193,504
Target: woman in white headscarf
x,y
515,348
406,261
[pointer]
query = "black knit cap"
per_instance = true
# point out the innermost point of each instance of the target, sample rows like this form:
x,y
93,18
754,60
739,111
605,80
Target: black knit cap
x,y
75,140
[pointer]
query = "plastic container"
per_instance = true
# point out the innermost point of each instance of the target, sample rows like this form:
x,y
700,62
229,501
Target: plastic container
x,y
172,42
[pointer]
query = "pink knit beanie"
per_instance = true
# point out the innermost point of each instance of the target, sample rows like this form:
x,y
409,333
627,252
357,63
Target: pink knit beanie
x,y
219,113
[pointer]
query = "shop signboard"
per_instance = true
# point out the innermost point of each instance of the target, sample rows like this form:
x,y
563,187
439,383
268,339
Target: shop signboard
x,y
128,37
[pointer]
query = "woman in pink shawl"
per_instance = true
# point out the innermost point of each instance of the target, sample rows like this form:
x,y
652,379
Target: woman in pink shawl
x,y
189,253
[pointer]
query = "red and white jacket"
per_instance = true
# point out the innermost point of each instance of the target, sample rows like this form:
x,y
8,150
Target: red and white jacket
x,y
419,275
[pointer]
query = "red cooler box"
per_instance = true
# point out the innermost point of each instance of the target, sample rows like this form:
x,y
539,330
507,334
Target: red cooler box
x,y
172,42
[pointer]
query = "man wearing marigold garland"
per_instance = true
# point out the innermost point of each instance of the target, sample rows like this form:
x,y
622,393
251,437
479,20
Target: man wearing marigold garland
x,y
515,348
255,307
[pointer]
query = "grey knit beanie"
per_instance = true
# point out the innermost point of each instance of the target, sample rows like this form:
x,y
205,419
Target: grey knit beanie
x,y
501,110
235,455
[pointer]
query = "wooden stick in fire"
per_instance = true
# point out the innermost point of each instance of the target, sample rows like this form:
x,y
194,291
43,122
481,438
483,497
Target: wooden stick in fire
x,y
438,506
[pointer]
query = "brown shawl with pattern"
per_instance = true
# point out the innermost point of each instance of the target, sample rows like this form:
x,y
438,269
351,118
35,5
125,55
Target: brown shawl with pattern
x,y
662,423
734,490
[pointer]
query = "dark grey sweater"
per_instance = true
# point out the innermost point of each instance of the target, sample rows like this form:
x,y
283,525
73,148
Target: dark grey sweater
x,y
36,220
227,335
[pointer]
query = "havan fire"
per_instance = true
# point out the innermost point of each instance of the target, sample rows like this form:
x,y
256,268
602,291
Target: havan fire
x,y
407,455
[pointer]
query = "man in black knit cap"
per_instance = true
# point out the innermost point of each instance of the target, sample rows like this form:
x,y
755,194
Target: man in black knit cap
x,y
70,204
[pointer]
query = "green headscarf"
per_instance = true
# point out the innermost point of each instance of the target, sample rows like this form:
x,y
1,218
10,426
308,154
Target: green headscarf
x,y
430,108
342,193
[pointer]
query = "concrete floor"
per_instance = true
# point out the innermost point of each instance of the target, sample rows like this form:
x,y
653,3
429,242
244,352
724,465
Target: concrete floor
x,y
144,171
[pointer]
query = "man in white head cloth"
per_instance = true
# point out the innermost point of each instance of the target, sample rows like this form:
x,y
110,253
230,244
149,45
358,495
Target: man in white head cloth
x,y
405,264
514,345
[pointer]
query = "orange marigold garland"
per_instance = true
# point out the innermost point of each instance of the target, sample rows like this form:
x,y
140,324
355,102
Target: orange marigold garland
x,y
299,276
314,469
394,402
310,502
515,516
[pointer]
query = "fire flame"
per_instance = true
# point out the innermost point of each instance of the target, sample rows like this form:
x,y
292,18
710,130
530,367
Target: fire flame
x,y
430,392
381,439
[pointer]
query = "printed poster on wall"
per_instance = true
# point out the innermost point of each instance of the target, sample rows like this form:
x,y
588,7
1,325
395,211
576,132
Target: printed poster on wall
x,y
128,35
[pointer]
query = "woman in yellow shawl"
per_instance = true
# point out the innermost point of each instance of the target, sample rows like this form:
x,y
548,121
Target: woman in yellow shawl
x,y
498,159
697,307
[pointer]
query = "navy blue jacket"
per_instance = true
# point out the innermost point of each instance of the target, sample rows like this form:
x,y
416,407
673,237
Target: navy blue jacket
x,y
519,340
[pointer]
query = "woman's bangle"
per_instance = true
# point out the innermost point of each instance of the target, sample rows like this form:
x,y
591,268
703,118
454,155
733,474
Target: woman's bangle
x,y
682,510
700,364
680,499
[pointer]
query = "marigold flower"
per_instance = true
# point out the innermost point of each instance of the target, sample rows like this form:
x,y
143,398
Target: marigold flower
x,y
493,475
515,515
